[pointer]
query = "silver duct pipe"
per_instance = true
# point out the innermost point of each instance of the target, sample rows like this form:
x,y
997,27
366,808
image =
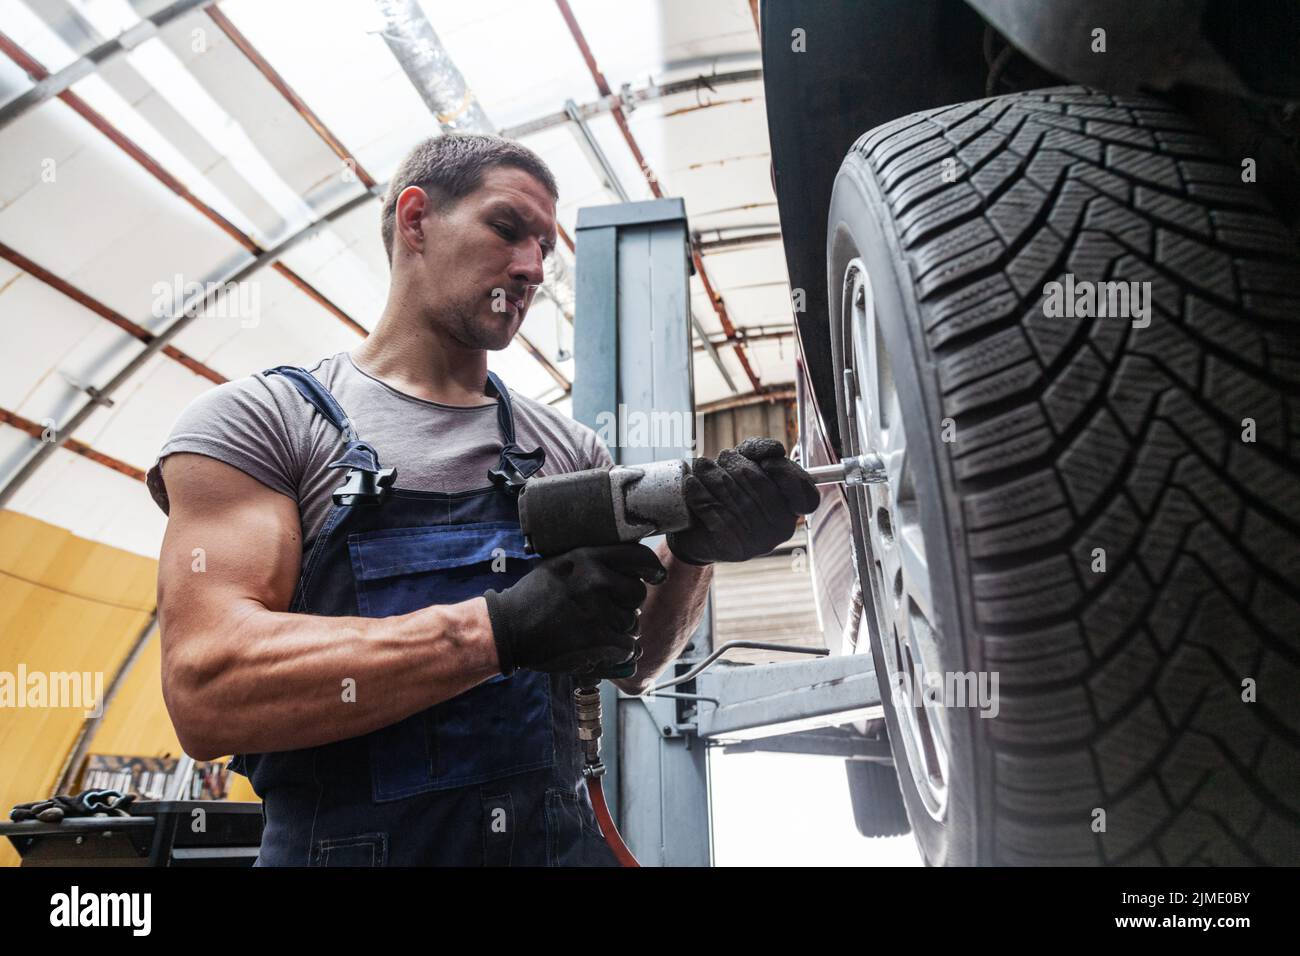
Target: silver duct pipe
x,y
432,72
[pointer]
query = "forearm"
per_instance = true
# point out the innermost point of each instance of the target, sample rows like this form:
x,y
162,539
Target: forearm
x,y
280,681
669,617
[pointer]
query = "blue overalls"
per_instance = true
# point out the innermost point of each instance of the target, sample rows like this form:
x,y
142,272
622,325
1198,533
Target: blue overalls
x,y
489,778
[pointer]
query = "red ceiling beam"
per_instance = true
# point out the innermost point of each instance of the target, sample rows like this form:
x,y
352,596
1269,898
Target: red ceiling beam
x,y
81,448
297,102
94,305
616,111
38,72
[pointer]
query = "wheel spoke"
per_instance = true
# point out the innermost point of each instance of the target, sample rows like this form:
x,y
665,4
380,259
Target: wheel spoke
x,y
916,570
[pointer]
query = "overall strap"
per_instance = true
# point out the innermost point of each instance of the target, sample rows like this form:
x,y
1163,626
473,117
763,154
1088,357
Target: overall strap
x,y
516,465
366,482
319,396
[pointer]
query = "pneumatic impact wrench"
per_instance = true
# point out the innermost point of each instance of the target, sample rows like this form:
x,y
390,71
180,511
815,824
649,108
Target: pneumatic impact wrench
x,y
619,505
629,502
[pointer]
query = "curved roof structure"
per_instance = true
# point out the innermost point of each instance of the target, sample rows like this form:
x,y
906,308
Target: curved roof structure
x,y
152,152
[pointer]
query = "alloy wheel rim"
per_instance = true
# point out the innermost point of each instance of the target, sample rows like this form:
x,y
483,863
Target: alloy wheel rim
x,y
896,559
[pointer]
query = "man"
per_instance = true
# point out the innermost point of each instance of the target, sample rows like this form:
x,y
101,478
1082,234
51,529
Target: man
x,y
344,599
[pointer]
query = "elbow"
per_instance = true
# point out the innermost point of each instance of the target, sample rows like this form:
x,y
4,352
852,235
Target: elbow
x,y
196,735
191,714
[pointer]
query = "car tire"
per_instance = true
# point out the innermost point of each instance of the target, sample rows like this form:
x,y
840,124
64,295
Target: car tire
x,y
1096,517
878,809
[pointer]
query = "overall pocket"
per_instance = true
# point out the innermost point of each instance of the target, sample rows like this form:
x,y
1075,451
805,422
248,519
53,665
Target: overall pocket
x,y
572,836
501,727
365,849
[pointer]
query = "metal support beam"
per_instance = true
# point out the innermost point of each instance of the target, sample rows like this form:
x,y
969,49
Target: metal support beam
x,y
753,334
39,432
767,700
629,98
822,742
600,162
595,155
633,350
52,85
733,243
769,395
188,312
616,111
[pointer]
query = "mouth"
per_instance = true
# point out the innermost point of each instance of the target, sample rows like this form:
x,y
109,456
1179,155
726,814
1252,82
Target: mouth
x,y
516,304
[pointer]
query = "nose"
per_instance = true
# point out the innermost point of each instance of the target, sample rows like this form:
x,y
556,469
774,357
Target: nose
x,y
527,266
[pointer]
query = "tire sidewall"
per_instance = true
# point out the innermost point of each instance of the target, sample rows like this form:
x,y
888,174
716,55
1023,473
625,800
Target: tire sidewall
x,y
860,223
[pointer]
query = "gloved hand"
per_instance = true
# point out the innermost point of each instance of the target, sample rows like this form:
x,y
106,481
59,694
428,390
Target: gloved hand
x,y
575,611
744,504
595,675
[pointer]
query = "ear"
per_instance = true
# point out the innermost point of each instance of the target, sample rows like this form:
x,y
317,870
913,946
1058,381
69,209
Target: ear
x,y
412,204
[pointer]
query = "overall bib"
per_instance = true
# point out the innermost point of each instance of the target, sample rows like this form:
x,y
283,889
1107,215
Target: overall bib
x,y
489,778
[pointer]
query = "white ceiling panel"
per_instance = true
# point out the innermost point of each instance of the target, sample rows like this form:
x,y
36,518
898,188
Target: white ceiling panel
x,y
103,223
331,53
93,502
41,330
80,207
269,321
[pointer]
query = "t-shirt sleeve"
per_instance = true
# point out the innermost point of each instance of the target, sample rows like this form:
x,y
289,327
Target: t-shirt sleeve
x,y
597,454
240,423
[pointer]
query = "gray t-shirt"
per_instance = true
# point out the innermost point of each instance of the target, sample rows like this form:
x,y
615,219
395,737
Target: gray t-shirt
x,y
264,427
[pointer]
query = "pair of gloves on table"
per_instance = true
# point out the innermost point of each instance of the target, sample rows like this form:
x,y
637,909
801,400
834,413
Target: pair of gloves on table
x,y
579,612
88,803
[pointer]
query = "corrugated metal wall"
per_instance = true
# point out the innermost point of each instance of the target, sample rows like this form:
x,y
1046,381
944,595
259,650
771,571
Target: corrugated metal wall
x,y
770,598
727,428
767,599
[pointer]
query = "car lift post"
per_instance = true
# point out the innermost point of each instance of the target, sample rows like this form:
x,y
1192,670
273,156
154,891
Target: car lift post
x,y
632,349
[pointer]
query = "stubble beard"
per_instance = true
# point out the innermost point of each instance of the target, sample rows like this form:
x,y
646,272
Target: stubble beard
x,y
468,326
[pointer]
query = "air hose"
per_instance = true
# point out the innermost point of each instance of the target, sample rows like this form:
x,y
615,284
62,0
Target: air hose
x,y
586,695
587,698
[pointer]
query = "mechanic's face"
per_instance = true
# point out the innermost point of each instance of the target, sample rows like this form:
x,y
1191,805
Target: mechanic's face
x,y
483,257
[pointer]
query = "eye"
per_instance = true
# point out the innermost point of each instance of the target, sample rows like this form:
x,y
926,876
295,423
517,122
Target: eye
x,y
506,231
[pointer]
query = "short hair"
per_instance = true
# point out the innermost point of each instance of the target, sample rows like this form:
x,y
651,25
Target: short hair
x,y
451,167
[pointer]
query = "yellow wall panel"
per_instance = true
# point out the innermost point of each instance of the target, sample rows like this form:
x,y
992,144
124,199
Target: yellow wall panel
x,y
67,605
137,722
70,605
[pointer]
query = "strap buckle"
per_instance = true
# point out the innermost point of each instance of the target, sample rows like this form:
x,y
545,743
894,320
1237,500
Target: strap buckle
x,y
508,478
364,487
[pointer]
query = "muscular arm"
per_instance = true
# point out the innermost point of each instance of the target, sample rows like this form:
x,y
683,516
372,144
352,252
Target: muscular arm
x,y
671,613
240,674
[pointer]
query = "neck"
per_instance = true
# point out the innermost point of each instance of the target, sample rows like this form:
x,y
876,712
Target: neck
x,y
422,361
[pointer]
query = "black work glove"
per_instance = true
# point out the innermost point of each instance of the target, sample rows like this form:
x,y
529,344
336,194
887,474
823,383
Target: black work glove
x,y
88,803
575,612
744,504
